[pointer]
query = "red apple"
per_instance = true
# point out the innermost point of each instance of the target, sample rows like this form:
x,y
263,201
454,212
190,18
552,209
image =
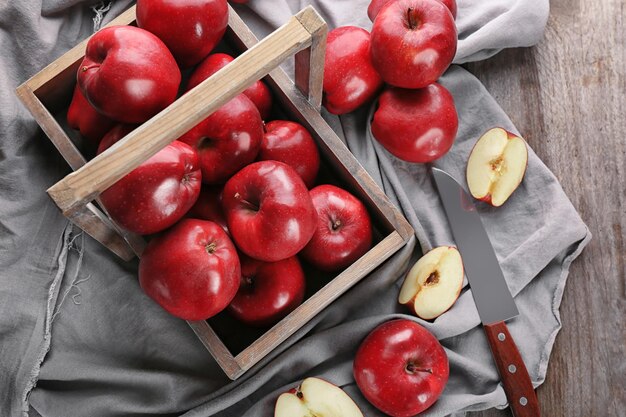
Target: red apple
x,y
413,42
208,206
258,92
128,74
83,117
416,125
191,270
401,368
269,211
350,79
268,291
157,193
344,229
291,143
227,140
189,28
376,5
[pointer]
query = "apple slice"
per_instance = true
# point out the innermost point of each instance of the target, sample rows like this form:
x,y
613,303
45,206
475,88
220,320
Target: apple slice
x,y
434,283
316,398
496,166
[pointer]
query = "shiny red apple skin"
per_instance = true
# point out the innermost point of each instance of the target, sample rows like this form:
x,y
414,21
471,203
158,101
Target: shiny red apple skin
x,y
344,229
269,211
350,79
157,193
192,270
83,117
258,93
291,143
227,140
416,125
381,368
268,291
208,206
128,74
376,5
189,28
413,42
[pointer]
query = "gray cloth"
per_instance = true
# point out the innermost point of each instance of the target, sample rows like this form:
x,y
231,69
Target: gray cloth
x,y
74,321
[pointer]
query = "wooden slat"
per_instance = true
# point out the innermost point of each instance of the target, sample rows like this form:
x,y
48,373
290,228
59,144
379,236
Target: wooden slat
x,y
309,63
107,168
214,345
320,300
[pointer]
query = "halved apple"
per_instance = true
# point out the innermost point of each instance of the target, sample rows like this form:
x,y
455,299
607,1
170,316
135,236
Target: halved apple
x,y
434,283
496,166
316,398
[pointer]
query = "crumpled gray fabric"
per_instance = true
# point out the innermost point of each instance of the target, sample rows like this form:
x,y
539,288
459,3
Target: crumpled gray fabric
x,y
74,321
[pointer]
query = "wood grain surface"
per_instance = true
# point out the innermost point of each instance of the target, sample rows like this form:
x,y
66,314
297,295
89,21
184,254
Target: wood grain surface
x,y
567,96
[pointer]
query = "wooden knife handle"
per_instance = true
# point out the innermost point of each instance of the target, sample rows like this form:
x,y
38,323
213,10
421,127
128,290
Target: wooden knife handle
x,y
517,385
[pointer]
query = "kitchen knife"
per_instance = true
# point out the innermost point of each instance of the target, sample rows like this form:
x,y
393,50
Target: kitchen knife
x,y
491,294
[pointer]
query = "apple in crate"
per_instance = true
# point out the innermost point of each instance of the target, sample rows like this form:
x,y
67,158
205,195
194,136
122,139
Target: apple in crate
x,y
128,74
268,291
269,211
350,79
227,140
208,206
191,270
401,368
413,42
344,229
291,143
157,193
316,397
496,166
189,28
376,5
434,283
416,125
258,93
83,117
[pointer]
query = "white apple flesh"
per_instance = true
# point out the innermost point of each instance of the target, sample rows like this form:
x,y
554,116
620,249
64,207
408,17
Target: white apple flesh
x,y
434,283
496,166
316,398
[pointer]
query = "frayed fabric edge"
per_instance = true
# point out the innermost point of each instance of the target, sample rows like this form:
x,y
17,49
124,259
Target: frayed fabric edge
x,y
52,296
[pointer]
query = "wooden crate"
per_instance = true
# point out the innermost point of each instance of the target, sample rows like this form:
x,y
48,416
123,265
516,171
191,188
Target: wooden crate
x,y
303,35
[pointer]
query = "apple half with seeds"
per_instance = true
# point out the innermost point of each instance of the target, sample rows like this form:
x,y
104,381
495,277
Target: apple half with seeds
x,y
316,397
496,166
434,283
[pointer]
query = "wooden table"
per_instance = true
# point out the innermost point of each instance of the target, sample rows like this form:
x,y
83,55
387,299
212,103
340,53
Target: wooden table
x,y
567,96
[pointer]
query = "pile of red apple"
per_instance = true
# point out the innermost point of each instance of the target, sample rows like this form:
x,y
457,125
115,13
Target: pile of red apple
x,y
233,205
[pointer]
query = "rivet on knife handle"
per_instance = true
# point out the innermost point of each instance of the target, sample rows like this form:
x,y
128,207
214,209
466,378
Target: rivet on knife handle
x,y
517,385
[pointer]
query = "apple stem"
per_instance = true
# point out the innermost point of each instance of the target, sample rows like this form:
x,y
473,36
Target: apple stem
x,y
85,68
247,203
412,18
336,224
411,369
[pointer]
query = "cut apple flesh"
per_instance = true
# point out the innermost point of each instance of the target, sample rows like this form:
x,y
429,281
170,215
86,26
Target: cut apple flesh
x,y
316,398
434,283
496,166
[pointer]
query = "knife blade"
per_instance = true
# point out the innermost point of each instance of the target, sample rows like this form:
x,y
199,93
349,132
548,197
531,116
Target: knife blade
x,y
492,296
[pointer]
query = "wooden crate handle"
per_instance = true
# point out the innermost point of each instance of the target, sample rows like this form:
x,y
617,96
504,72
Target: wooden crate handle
x,y
304,31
